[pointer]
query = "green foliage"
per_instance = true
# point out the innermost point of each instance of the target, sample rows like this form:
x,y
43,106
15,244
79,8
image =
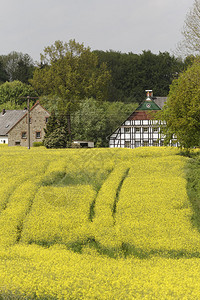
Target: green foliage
x,y
89,122
56,132
57,139
94,121
14,93
71,72
38,144
132,74
18,66
193,187
182,109
51,103
3,74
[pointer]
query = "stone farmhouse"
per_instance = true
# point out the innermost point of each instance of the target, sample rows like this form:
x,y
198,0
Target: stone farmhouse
x,y
14,125
140,129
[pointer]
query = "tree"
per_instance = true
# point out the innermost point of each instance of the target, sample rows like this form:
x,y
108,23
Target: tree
x,y
3,74
132,74
70,71
18,66
89,122
14,93
191,32
182,110
94,121
56,133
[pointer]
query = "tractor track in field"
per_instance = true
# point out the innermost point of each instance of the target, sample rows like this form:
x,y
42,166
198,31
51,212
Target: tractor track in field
x,y
21,222
92,206
118,192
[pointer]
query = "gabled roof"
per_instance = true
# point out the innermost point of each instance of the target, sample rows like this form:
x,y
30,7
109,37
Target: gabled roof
x,y
148,105
9,119
37,103
145,110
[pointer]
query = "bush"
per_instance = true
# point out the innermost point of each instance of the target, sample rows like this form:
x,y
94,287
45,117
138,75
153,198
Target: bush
x,y
38,144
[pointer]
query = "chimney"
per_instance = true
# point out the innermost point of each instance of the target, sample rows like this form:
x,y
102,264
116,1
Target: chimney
x,y
4,111
149,94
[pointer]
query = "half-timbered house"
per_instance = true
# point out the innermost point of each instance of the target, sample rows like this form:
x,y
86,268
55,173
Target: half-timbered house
x,y
141,128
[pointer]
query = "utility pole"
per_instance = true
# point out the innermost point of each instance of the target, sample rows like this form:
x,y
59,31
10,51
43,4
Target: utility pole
x,y
28,122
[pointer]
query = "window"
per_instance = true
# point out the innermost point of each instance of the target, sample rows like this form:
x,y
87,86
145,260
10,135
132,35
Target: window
x,y
145,143
127,129
155,129
17,143
46,119
38,135
127,144
137,129
24,135
145,129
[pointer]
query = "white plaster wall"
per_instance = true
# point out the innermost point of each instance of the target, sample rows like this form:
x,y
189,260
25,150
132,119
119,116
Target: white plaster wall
x,y
3,140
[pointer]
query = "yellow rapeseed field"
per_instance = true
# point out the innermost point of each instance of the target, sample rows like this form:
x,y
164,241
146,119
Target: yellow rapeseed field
x,y
96,224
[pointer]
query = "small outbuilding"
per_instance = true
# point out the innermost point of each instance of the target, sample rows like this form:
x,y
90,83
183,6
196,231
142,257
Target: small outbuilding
x,y
82,144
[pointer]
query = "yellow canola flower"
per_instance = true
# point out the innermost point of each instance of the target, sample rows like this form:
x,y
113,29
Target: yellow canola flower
x,y
48,200
103,223
56,272
153,212
59,214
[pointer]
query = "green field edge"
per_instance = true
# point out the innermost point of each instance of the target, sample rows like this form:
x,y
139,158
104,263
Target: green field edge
x,y
192,174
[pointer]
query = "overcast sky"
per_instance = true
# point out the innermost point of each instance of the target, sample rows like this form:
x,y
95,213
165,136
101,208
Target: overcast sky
x,y
28,26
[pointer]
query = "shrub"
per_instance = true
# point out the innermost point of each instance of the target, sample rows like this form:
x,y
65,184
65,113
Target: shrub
x,y
38,144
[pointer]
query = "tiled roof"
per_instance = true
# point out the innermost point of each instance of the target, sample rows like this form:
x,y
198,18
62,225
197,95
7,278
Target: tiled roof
x,y
9,119
160,101
141,115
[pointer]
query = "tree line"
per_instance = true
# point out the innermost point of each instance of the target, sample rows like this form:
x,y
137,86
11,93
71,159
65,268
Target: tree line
x,y
130,73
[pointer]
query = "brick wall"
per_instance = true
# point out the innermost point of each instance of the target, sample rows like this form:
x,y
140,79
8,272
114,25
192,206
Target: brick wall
x,y
18,134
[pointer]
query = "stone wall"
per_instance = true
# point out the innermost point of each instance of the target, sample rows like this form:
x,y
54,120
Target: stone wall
x,y
19,133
